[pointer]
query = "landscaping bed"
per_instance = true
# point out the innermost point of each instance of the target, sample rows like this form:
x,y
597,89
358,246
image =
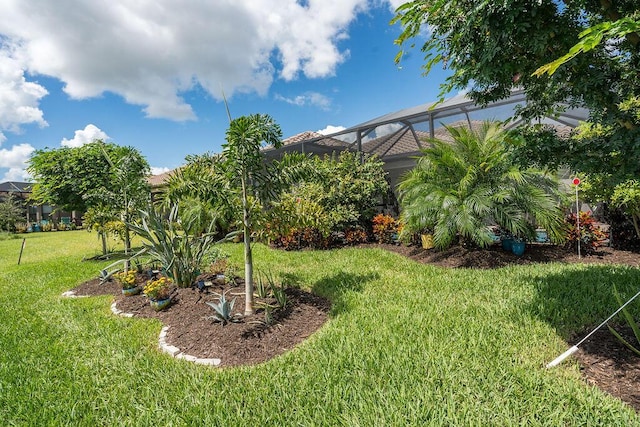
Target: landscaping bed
x,y
193,330
604,361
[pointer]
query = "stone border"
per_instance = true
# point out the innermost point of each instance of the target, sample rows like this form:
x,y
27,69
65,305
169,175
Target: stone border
x,y
171,350
72,294
175,351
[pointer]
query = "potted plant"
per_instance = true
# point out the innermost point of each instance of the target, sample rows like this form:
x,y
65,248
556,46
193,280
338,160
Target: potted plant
x,y
158,291
127,280
506,239
517,246
426,238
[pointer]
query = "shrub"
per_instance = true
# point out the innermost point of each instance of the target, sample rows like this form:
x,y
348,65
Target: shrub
x,y
385,228
626,196
590,236
355,236
336,194
179,253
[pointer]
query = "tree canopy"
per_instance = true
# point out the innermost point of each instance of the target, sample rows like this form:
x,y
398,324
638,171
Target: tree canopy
x,y
68,177
493,47
105,179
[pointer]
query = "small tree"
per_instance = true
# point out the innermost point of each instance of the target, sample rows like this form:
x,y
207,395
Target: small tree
x,y
98,175
101,219
128,190
10,213
245,167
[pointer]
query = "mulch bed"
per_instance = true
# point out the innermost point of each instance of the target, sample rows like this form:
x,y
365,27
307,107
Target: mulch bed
x,y
605,362
193,330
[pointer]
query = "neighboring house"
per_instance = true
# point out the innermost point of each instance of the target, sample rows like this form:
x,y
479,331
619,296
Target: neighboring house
x,y
34,213
157,184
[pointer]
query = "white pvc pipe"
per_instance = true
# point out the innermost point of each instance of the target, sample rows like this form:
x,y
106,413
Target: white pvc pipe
x,y
563,356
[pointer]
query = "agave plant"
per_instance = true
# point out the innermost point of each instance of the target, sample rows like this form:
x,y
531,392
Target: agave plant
x,y
224,309
459,188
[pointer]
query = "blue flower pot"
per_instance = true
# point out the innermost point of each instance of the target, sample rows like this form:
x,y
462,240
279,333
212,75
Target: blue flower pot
x,y
131,291
160,304
506,244
517,247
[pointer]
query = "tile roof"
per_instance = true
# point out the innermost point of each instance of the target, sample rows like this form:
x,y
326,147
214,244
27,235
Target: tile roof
x,y
159,180
15,187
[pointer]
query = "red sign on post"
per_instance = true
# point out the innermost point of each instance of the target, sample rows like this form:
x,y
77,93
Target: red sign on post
x,y
576,181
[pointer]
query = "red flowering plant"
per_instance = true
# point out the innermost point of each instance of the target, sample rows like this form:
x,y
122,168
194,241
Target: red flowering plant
x,y
589,234
385,228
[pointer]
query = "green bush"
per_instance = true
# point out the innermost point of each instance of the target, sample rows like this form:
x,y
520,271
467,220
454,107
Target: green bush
x,y
335,195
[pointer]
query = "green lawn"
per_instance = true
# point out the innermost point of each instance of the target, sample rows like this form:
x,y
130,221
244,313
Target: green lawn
x,y
407,344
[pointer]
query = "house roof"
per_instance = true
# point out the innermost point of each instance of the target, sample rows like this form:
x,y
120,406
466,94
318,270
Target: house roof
x,y
159,180
402,132
15,187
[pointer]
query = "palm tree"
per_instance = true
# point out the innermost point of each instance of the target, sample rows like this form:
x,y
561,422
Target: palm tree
x,y
460,188
245,167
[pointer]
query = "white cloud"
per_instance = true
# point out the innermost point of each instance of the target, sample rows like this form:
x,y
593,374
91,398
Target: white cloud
x,y
308,98
20,98
395,4
16,174
15,159
159,170
151,52
81,137
331,129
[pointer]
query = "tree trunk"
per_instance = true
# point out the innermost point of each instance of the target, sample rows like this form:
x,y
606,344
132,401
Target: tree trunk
x,y
103,237
634,217
248,256
127,240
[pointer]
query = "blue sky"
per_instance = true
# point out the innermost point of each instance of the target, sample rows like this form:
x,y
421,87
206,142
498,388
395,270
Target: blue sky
x,y
151,75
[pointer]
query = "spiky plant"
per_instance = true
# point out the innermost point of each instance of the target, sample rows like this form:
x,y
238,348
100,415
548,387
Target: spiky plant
x,y
461,187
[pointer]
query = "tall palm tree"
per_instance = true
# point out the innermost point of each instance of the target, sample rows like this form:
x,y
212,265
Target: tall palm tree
x,y
459,188
245,168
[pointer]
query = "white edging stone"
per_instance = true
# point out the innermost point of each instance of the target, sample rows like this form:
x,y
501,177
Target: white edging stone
x,y
172,350
114,310
175,351
72,294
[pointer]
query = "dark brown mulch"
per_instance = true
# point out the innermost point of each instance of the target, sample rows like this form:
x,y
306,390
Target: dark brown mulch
x,y
496,257
250,341
605,362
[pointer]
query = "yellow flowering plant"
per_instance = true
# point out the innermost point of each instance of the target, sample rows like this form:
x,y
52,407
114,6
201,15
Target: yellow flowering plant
x,y
126,278
158,289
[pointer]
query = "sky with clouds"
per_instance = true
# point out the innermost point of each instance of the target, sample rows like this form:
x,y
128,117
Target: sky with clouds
x,y
152,73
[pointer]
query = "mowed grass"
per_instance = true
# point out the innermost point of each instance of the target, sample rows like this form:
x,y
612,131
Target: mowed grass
x,y
406,344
